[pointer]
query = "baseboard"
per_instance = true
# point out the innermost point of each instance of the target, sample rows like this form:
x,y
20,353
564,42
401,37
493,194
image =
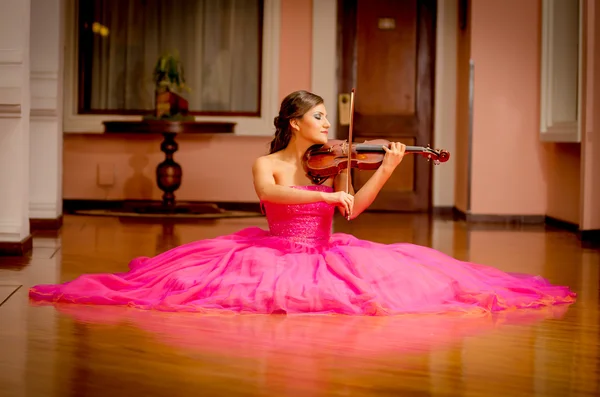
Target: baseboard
x,y
590,238
443,211
72,205
45,224
561,224
500,219
16,248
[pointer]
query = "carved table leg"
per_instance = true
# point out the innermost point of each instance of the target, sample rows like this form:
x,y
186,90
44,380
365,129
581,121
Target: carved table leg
x,y
168,179
168,173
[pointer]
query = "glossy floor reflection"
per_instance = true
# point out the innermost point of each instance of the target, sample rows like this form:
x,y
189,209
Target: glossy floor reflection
x,y
71,350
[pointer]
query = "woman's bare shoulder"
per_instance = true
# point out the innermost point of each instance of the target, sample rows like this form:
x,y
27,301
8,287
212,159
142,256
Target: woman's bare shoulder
x,y
265,161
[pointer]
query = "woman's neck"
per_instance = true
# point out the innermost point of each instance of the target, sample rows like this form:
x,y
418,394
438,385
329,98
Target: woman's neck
x,y
295,150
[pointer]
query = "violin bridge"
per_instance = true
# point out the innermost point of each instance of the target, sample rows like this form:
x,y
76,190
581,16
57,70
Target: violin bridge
x,y
345,148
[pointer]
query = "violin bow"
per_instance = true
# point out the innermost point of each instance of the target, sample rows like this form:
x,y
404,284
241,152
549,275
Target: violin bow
x,y
349,167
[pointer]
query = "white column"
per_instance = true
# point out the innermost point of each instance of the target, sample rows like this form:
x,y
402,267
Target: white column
x,y
45,186
14,125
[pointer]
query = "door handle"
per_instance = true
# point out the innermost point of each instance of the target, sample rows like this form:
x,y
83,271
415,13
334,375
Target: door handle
x,y
344,108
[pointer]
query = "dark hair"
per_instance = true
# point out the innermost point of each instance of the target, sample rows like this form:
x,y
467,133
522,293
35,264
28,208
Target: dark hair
x,y
295,105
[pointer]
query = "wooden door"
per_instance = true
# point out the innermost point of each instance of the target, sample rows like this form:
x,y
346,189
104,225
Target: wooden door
x,y
386,51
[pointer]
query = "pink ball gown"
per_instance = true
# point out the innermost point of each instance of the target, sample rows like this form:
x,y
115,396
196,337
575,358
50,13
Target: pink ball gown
x,y
298,266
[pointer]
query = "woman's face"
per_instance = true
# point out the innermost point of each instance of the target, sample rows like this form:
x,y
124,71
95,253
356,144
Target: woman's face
x,y
313,126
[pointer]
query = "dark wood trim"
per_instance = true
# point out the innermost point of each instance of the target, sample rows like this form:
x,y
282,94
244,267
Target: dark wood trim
x,y
18,248
72,205
45,224
505,219
590,238
161,126
443,211
560,224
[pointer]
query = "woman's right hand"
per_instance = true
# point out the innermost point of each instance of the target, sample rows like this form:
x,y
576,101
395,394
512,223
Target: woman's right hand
x,y
342,200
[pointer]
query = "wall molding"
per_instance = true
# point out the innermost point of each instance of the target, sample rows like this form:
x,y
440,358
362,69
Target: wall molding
x,y
11,56
44,75
9,97
246,126
10,110
44,90
43,114
43,210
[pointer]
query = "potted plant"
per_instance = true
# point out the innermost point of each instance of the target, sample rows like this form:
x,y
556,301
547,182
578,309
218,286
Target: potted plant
x,y
169,78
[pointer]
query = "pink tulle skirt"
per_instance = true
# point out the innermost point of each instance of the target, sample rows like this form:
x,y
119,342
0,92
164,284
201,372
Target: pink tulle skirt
x,y
252,271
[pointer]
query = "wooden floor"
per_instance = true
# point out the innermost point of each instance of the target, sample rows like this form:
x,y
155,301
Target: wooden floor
x,y
96,351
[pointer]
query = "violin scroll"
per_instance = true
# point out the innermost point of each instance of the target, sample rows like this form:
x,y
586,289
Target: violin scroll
x,y
436,155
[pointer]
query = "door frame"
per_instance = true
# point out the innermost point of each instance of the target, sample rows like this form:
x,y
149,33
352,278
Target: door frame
x,y
346,43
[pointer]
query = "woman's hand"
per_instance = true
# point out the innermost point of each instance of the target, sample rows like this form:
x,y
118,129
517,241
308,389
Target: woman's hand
x,y
342,200
393,155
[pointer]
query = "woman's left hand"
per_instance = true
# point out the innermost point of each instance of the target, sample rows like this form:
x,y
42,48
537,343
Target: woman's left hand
x,y
393,155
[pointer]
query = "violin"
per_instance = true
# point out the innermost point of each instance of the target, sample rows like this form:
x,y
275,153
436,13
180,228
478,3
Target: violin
x,y
323,161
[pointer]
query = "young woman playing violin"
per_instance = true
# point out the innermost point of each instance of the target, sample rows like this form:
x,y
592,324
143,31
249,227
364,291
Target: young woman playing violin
x,y
298,265
302,123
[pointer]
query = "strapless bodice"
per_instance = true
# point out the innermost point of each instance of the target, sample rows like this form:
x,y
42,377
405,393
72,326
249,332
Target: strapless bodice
x,y
301,222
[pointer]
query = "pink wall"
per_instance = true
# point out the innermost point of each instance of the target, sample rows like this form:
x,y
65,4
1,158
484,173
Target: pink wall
x,y
216,168
509,162
295,46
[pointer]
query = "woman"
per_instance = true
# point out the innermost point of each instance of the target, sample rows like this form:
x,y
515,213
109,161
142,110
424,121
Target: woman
x,y
298,266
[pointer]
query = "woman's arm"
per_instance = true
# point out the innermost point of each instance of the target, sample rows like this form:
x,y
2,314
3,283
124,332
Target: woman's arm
x,y
367,194
339,185
268,190
340,182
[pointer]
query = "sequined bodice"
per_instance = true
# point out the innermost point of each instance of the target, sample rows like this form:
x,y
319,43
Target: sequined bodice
x,y
301,222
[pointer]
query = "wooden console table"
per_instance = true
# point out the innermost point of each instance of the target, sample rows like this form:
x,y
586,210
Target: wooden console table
x,y
169,172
